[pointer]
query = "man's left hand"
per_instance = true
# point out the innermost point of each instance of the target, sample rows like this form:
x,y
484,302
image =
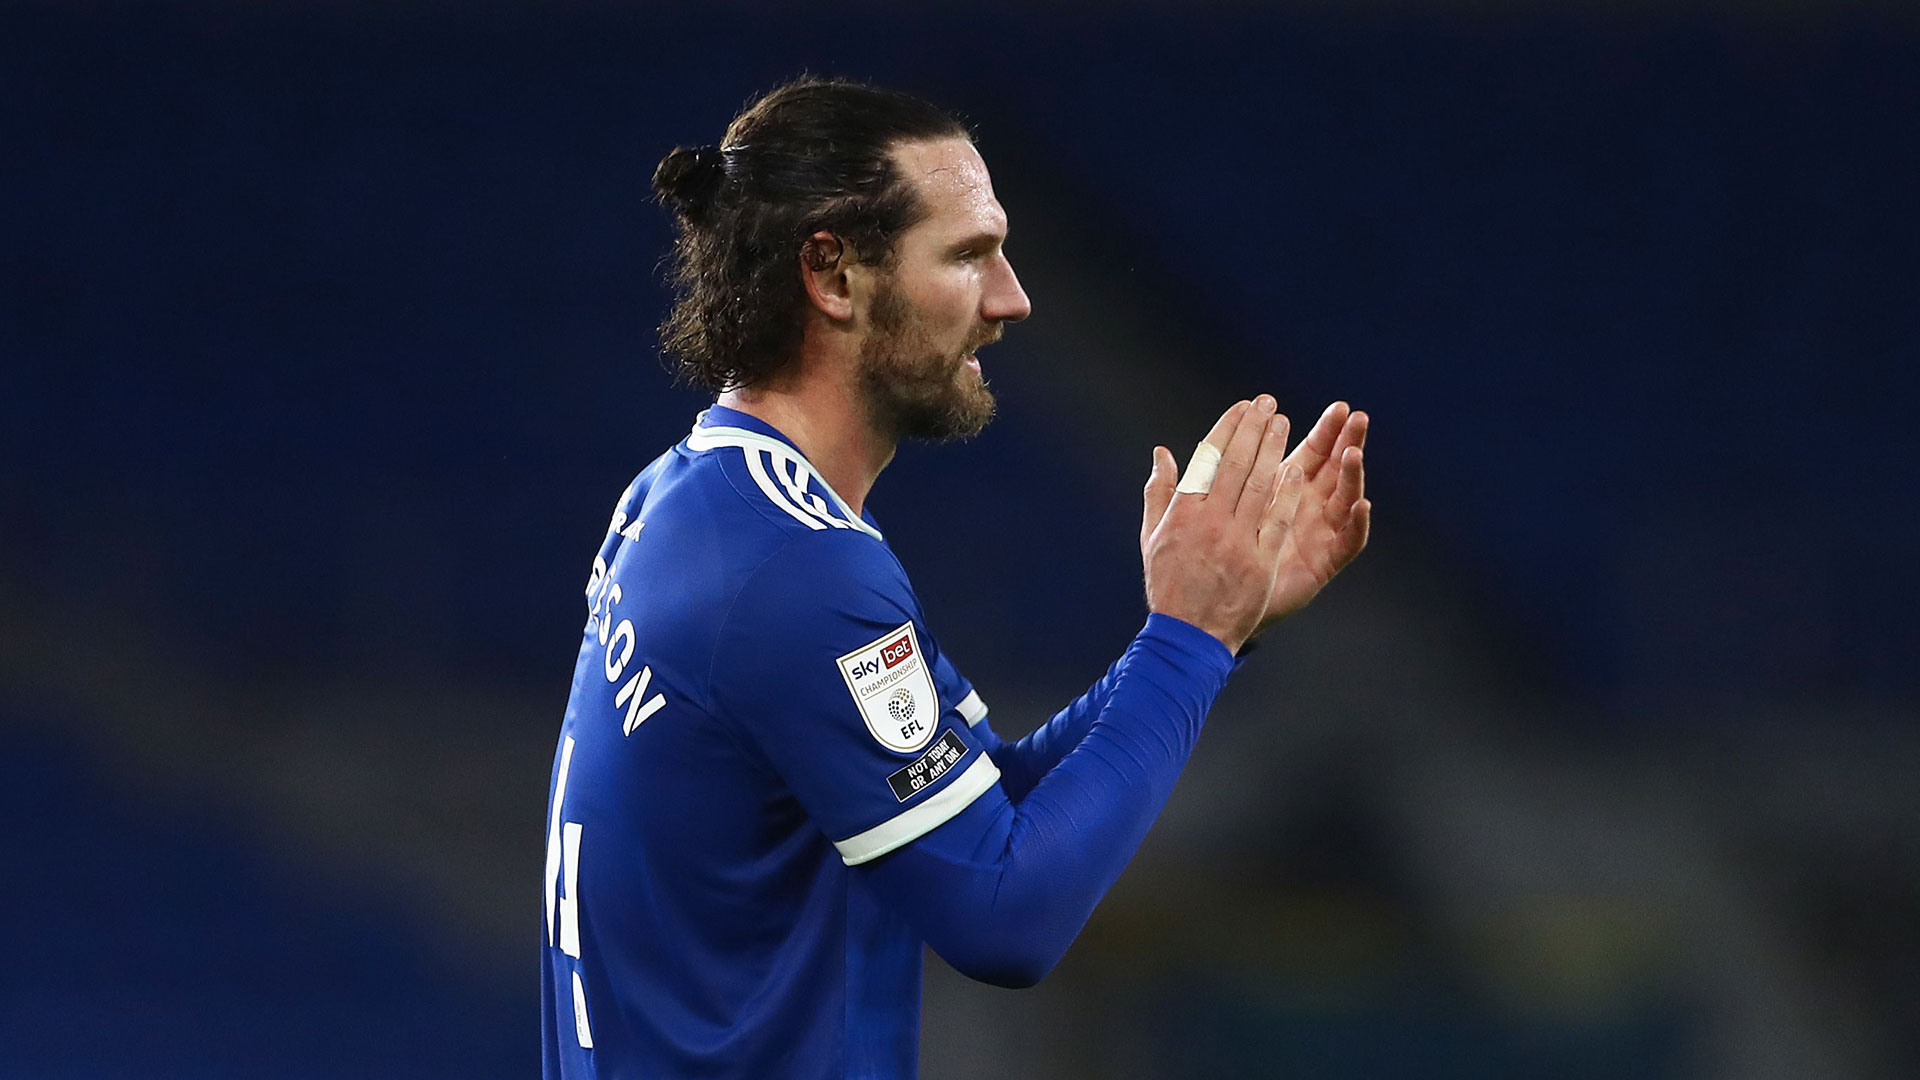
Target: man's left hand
x,y
1330,527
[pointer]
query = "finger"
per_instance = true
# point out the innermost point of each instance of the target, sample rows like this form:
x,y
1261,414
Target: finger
x,y
1237,456
1351,539
1229,421
1315,450
1358,529
1159,492
1197,481
1279,513
1352,433
1353,482
1264,480
1349,490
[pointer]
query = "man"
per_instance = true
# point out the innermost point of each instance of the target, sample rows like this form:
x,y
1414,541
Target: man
x,y
772,785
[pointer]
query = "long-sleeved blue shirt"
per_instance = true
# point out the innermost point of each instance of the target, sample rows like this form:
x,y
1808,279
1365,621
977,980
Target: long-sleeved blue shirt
x,y
772,786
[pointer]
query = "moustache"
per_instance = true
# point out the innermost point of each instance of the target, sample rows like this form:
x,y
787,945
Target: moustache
x,y
986,339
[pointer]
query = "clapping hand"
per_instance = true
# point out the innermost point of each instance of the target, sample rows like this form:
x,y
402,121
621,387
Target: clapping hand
x,y
1300,518
1330,526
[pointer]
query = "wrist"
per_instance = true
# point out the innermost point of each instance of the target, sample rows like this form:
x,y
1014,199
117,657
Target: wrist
x,y
1191,638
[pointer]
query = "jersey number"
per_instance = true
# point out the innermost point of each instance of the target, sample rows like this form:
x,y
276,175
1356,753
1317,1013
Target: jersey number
x,y
563,860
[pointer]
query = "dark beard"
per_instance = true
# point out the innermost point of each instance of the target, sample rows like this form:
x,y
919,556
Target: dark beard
x,y
910,391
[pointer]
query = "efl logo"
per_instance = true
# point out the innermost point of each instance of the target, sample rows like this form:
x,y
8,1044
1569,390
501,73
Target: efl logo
x,y
893,687
897,652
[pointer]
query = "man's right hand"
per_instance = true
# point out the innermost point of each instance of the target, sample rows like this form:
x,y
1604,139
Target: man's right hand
x,y
1211,558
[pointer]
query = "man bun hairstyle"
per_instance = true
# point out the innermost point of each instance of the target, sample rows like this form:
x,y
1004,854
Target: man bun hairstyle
x,y
688,178
814,155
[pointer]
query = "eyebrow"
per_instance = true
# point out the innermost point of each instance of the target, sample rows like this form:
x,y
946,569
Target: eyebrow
x,y
983,238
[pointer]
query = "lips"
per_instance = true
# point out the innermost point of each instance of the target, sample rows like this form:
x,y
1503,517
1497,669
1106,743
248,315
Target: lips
x,y
971,358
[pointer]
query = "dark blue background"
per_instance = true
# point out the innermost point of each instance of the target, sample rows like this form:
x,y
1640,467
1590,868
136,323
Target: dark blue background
x,y
327,337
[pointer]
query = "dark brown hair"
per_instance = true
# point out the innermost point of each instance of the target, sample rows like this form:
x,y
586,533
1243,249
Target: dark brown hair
x,y
810,156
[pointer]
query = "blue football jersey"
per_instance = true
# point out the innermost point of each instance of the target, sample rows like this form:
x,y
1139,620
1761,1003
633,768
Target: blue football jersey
x,y
757,708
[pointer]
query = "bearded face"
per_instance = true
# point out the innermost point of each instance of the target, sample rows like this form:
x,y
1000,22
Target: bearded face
x,y
915,386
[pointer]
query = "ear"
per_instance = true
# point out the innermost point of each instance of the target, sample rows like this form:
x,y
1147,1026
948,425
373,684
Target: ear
x,y
824,264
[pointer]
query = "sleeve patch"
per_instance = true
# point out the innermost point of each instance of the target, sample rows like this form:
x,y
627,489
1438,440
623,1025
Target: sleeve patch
x,y
893,688
931,766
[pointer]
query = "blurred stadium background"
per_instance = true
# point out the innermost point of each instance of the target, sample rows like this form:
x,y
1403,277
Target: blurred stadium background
x,y
327,344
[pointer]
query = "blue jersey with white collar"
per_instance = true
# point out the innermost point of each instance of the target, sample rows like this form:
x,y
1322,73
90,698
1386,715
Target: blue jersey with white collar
x,y
758,706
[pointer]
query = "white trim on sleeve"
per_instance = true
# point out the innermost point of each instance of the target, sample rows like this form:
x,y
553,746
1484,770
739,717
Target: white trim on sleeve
x,y
910,825
971,708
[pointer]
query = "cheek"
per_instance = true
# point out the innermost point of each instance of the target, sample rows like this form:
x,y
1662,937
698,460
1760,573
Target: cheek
x,y
960,301
948,304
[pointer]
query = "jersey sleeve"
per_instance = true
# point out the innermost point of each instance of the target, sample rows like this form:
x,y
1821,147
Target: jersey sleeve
x,y
1001,890
822,664
1024,762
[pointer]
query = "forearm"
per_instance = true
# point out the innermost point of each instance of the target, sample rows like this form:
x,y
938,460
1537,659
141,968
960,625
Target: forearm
x,y
1001,890
1024,762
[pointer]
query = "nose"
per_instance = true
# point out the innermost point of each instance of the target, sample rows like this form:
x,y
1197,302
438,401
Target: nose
x,y
1003,300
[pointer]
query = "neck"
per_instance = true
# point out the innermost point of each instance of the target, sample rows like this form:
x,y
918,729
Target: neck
x,y
828,422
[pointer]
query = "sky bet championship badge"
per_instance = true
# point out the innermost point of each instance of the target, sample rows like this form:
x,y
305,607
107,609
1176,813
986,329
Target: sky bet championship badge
x,y
892,685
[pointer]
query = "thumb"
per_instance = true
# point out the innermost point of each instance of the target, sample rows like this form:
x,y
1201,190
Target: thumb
x,y
1159,492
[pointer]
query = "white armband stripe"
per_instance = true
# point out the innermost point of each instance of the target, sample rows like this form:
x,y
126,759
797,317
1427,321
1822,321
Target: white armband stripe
x,y
971,708
910,825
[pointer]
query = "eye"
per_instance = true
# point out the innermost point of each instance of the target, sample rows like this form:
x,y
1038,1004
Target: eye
x,y
975,248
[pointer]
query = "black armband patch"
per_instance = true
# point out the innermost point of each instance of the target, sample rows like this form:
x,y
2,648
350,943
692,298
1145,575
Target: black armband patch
x,y
931,766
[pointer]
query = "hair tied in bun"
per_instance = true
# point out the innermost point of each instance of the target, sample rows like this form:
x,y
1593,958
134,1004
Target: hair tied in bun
x,y
688,178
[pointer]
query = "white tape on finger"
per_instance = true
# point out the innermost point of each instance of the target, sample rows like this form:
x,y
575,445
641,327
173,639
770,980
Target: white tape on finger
x,y
1198,479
